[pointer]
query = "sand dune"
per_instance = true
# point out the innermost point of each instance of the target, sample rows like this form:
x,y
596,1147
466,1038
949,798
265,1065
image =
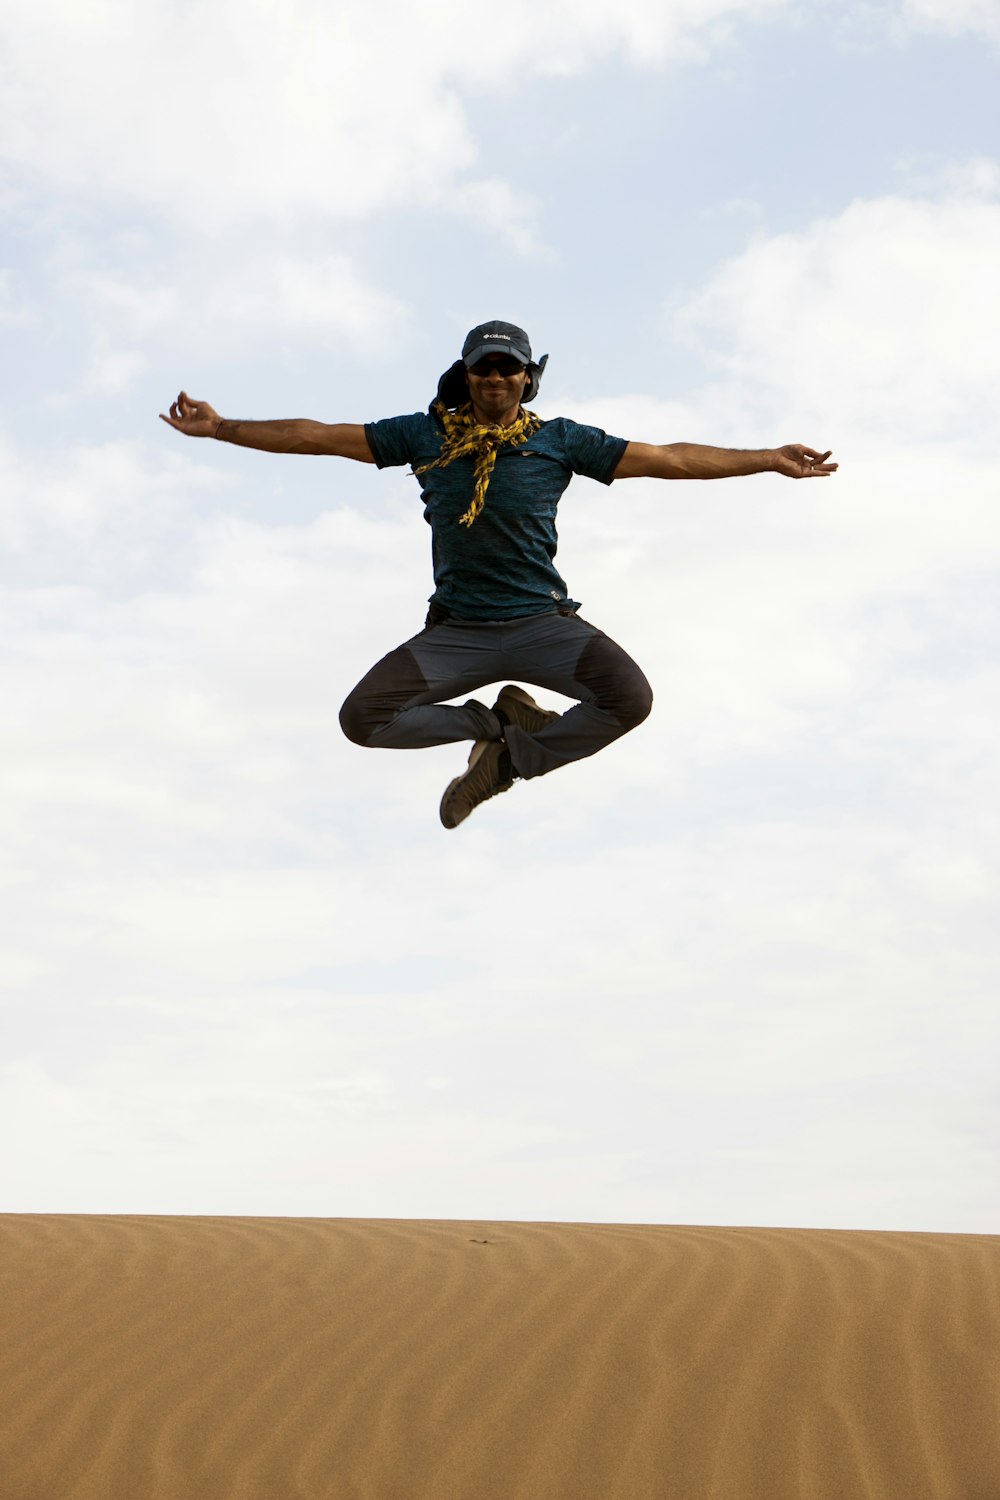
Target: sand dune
x,y
292,1359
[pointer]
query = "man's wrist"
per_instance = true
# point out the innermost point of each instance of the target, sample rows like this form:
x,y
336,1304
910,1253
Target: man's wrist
x,y
218,433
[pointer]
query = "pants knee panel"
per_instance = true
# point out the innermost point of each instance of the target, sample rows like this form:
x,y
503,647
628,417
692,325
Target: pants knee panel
x,y
616,683
382,693
634,704
355,723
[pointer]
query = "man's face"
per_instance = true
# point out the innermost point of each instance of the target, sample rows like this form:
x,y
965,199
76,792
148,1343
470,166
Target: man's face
x,y
496,384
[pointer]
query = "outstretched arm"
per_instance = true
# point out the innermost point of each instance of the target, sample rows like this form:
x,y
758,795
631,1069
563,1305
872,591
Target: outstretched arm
x,y
295,435
696,461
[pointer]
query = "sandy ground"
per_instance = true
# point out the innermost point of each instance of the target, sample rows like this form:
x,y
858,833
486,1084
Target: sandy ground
x,y
153,1358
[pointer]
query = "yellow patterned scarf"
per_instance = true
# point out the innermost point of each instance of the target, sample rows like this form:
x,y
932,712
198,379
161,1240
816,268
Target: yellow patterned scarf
x,y
464,436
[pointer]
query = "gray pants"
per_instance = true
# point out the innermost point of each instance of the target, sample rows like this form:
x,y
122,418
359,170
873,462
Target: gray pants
x,y
397,705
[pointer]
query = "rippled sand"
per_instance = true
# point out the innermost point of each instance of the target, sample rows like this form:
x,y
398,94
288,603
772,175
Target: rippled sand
x,y
153,1358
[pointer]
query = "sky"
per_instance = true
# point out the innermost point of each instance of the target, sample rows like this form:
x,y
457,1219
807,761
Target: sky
x,y
739,968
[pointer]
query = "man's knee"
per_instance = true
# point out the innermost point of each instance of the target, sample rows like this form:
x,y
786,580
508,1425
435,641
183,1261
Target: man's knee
x,y
633,701
381,694
616,683
357,720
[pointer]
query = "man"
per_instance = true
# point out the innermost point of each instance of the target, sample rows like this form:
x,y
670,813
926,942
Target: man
x,y
492,474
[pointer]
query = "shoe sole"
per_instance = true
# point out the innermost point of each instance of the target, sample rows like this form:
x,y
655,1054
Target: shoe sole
x,y
447,816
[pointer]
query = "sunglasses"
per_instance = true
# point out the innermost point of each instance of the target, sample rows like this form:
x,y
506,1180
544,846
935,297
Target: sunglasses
x,y
505,364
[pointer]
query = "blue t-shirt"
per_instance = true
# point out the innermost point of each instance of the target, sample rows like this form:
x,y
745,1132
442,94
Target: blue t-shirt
x,y
501,567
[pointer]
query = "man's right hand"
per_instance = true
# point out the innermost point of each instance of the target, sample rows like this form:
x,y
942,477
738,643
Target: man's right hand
x,y
194,418
287,435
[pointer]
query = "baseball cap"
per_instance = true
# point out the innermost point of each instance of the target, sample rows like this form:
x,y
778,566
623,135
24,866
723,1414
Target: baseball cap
x,y
496,338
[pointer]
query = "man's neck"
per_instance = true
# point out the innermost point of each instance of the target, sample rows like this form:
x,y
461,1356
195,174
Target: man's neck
x,y
490,419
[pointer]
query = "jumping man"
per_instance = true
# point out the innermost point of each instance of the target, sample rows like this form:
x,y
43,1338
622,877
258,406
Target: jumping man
x,y
492,475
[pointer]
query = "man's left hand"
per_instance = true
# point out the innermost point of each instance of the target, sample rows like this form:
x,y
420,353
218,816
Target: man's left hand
x,y
796,461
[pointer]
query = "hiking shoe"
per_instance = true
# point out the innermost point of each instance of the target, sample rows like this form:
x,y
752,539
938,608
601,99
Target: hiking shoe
x,y
489,771
518,707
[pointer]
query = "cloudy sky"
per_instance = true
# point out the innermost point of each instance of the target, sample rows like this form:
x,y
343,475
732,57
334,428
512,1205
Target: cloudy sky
x,y
742,967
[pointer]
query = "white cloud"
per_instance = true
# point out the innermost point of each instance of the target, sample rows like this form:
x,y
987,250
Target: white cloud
x,y
883,322
225,298
267,110
508,213
12,308
106,496
256,111
110,370
324,296
953,16
143,309
775,972
976,178
778,605
869,23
